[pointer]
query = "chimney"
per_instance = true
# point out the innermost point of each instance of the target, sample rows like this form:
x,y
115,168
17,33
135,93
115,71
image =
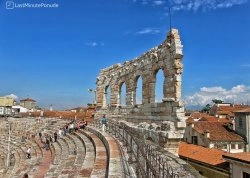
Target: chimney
x,y
192,125
207,134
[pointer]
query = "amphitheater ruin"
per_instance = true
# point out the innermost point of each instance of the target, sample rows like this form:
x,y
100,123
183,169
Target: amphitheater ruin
x,y
168,116
141,140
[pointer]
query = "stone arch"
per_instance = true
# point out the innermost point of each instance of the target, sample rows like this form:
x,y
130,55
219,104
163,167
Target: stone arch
x,y
138,93
159,79
122,94
107,96
166,57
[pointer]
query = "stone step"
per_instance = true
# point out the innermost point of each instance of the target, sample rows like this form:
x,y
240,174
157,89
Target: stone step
x,y
89,159
101,158
115,168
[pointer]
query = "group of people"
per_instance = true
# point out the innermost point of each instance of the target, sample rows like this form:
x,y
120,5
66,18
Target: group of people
x,y
47,139
67,128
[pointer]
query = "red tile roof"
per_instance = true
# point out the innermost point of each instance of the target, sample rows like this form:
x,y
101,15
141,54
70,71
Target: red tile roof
x,y
244,156
201,154
207,118
197,115
28,99
243,110
218,131
229,110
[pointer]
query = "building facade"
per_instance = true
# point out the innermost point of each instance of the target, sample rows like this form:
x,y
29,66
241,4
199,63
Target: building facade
x,y
242,125
239,164
6,104
217,135
28,103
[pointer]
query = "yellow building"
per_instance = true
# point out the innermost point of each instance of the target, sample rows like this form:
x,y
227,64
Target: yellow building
x,y
6,101
6,104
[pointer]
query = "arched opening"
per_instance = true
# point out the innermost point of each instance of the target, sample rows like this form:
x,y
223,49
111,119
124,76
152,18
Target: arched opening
x,y
159,83
107,96
123,94
138,94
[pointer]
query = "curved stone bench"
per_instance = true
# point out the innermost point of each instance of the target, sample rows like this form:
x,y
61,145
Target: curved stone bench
x,y
115,168
89,158
55,170
101,161
80,151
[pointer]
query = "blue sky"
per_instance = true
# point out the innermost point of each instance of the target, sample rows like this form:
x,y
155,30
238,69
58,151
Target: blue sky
x,y
54,55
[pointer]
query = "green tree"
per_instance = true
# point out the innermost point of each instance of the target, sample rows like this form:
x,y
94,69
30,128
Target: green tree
x,y
216,101
206,108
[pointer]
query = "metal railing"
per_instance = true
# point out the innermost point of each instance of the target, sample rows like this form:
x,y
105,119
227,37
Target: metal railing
x,y
149,162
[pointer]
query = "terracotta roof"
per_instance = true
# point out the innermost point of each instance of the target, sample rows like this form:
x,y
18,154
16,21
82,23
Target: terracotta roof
x,y
201,154
28,99
243,157
229,110
207,118
197,115
229,113
243,110
214,119
233,107
218,131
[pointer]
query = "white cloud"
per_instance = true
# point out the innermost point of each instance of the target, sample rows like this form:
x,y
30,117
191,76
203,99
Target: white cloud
x,y
195,5
15,97
94,44
212,89
237,94
148,31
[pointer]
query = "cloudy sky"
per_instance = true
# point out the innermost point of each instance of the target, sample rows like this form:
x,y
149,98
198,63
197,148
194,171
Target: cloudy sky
x,y
54,53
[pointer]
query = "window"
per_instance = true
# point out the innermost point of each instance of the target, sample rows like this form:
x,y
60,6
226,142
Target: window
x,y
232,146
240,146
224,146
245,175
240,123
194,140
219,146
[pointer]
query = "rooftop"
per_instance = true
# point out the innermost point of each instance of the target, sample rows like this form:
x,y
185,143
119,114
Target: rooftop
x,y
209,156
28,99
219,131
242,157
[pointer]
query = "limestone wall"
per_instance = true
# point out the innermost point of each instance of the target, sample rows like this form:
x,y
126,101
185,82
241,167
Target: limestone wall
x,y
166,57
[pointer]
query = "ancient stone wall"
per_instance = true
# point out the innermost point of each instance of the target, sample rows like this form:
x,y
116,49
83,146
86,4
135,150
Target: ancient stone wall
x,y
166,57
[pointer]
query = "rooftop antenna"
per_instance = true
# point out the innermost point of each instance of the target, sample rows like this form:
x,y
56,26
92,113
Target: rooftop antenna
x,y
170,20
170,24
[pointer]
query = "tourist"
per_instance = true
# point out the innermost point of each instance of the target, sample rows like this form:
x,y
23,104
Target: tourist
x,y
55,136
40,135
60,132
47,144
71,128
104,122
64,130
28,153
25,175
50,139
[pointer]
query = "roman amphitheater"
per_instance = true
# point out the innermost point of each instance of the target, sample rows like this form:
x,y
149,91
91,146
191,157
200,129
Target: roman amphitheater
x,y
141,140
